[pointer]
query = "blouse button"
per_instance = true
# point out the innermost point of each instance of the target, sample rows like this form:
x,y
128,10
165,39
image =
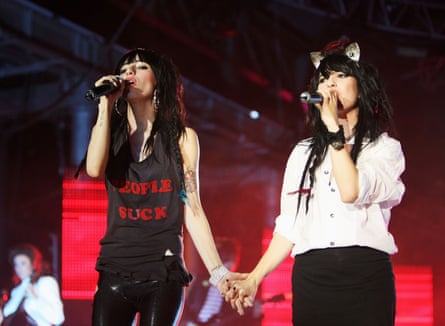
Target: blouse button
x,y
332,190
332,215
326,172
332,243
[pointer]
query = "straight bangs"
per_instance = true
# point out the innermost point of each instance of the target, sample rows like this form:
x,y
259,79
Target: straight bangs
x,y
339,63
143,55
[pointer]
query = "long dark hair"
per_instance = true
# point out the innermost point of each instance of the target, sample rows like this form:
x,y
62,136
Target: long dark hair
x,y
170,118
39,267
374,115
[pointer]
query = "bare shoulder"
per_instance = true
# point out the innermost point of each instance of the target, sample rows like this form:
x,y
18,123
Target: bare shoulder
x,y
190,132
189,137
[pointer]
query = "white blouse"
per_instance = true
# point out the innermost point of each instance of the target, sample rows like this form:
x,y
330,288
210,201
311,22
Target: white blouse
x,y
331,223
46,309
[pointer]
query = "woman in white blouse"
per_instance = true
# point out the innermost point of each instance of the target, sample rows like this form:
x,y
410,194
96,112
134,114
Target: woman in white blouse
x,y
35,300
338,190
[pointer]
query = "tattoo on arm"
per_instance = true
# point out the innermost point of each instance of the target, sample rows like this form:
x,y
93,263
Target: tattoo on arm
x,y
190,181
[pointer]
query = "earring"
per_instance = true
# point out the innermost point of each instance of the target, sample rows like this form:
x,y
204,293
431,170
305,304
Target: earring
x,y
116,107
156,101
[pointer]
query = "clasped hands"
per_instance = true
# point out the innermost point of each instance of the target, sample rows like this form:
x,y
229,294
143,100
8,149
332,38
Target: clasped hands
x,y
239,289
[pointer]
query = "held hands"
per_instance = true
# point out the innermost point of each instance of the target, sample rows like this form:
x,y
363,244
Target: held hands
x,y
241,293
237,289
224,285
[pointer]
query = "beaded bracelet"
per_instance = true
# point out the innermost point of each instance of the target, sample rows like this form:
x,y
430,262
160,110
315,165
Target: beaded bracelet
x,y
217,274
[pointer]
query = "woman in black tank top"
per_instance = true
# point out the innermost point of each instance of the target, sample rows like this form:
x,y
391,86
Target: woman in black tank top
x,y
149,160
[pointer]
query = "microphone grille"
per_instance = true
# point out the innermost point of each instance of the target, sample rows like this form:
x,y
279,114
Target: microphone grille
x,y
305,97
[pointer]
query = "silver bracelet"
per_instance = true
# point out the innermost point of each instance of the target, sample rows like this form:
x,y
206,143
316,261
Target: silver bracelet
x,y
217,274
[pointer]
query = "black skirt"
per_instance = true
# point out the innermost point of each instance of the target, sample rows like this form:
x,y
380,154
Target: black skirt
x,y
350,286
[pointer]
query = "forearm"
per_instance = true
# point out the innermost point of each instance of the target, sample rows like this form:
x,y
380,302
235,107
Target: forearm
x,y
346,174
279,248
16,297
343,168
199,229
98,148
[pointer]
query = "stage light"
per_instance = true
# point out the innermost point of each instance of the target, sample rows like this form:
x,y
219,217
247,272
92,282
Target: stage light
x,y
254,114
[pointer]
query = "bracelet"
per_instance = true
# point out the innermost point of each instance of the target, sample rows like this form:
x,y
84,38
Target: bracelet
x,y
217,274
337,139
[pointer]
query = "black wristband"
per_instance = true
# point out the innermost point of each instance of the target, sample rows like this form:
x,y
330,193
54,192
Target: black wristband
x,y
337,139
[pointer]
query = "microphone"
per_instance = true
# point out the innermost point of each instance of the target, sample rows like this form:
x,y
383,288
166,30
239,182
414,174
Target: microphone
x,y
309,98
94,93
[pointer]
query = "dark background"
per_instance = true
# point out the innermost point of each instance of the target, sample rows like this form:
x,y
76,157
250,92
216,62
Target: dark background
x,y
234,56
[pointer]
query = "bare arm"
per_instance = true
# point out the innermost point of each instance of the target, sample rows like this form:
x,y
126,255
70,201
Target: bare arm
x,y
243,292
345,173
97,155
343,168
195,219
98,148
279,248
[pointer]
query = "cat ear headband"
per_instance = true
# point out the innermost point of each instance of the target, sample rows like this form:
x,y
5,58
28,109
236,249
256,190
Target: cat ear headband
x,y
352,51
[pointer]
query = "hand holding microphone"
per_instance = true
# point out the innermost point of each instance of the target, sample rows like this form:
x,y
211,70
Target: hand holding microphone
x,y
106,88
328,108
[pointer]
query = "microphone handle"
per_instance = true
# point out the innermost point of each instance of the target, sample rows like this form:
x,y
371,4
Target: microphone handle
x,y
94,93
307,97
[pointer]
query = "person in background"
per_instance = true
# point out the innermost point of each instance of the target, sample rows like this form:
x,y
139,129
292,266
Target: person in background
x,y
140,145
35,299
205,305
338,191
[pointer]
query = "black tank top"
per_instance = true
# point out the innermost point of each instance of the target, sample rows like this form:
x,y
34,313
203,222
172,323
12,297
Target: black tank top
x,y
145,212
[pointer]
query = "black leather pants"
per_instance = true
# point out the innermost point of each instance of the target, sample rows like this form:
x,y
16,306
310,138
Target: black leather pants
x,y
118,299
